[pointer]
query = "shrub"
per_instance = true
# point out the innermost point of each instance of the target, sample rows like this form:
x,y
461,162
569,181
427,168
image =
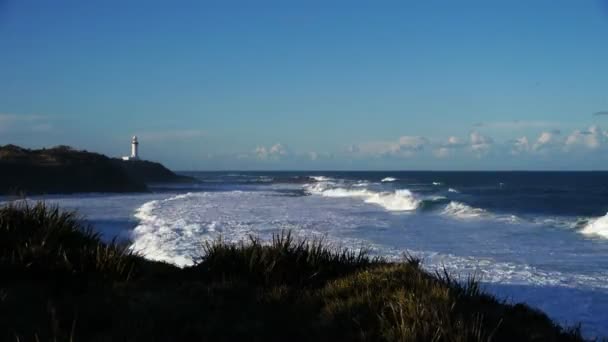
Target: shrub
x,y
284,261
42,241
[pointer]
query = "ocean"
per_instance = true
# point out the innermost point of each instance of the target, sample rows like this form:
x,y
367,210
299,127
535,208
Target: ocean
x,y
534,237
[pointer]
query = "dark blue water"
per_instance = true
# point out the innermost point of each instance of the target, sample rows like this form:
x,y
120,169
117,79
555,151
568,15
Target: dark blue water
x,y
546,193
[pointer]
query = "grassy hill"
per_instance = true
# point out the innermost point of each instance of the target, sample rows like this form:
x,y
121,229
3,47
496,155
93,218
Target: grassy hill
x,y
61,282
65,170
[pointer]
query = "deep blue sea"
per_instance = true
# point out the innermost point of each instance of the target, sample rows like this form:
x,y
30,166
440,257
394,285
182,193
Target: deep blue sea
x,y
534,237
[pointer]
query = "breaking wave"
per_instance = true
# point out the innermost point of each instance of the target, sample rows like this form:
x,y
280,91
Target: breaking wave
x,y
388,179
463,211
453,190
164,239
320,178
398,200
597,226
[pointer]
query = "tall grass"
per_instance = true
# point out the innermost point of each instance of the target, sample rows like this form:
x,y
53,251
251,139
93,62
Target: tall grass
x,y
59,282
39,240
283,261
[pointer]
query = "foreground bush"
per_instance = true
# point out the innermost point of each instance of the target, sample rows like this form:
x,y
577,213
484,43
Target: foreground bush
x,y
42,242
61,282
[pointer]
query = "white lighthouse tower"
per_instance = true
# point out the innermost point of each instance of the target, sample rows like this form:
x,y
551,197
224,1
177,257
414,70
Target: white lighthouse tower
x,y
134,150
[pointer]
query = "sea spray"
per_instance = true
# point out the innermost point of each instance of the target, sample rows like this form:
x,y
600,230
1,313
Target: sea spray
x,y
597,226
398,200
462,211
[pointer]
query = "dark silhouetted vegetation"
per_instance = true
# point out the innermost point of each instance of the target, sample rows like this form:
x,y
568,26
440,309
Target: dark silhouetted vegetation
x,y
61,282
62,169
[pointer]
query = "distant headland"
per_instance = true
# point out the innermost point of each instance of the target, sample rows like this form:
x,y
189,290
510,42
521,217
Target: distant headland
x,y
63,169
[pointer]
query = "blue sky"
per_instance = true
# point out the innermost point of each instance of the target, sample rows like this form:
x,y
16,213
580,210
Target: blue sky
x,y
311,84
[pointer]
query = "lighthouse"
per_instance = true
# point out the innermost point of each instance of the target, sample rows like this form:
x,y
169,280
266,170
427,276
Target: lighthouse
x,y
134,150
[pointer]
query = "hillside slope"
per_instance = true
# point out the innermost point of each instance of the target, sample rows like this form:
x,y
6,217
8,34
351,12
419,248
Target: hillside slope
x,y
65,170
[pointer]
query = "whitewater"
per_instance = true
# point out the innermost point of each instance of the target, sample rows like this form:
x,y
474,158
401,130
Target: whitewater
x,y
550,253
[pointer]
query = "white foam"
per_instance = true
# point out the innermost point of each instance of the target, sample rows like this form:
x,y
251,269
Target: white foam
x,y
398,200
453,190
437,198
173,229
389,179
561,222
463,211
361,184
320,178
437,183
597,227
156,238
320,187
341,192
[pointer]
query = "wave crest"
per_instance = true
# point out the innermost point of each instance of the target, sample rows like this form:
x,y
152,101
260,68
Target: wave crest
x,y
319,178
158,239
597,226
398,200
463,211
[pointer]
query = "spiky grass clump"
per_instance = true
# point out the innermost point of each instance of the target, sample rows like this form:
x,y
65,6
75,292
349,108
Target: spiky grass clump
x,y
59,281
399,302
349,296
45,241
283,261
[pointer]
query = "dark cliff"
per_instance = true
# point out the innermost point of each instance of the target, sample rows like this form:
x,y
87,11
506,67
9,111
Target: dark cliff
x,y
150,172
65,170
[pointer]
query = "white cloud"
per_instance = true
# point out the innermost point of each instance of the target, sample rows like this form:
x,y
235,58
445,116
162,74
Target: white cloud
x,y
405,146
412,143
278,149
546,143
545,139
480,144
520,145
274,152
454,141
444,150
261,152
592,138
